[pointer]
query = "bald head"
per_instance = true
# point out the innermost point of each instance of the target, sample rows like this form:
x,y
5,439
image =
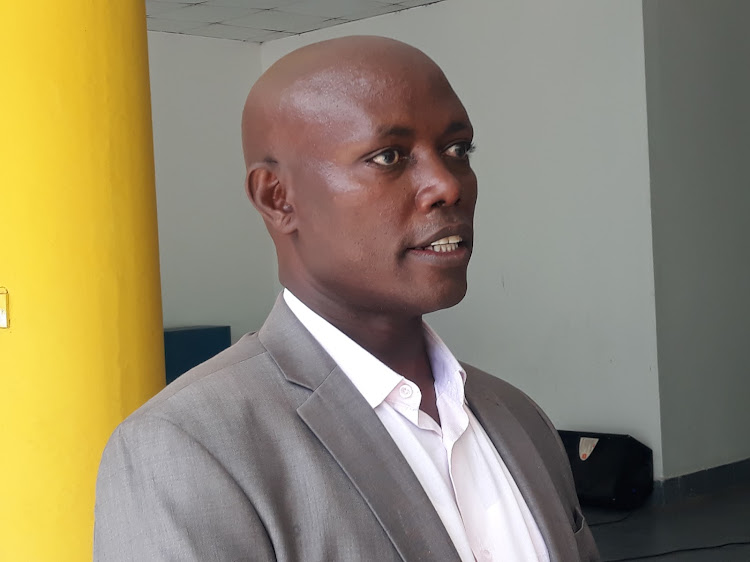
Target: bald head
x,y
305,88
357,159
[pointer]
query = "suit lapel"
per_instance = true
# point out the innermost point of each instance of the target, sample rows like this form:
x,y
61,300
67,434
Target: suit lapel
x,y
346,425
525,465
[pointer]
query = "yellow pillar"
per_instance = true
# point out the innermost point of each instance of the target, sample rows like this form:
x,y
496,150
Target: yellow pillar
x,y
79,260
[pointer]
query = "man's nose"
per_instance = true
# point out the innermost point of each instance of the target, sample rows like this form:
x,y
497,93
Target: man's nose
x,y
438,184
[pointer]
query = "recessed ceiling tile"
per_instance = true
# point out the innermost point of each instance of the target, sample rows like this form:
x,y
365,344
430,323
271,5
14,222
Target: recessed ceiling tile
x,y
252,4
154,8
415,3
223,31
207,14
331,22
271,35
375,10
347,9
172,26
274,20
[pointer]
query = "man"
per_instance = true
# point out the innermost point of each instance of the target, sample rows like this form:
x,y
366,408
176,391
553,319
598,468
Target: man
x,y
342,430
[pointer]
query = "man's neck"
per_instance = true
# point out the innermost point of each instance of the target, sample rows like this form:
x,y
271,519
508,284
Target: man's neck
x,y
396,341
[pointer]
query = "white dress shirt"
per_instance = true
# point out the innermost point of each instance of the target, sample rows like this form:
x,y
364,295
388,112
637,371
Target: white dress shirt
x,y
458,466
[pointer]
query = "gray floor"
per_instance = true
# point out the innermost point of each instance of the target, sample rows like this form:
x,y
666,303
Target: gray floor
x,y
698,529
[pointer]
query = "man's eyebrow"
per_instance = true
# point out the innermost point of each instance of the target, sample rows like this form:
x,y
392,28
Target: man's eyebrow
x,y
394,131
457,127
401,131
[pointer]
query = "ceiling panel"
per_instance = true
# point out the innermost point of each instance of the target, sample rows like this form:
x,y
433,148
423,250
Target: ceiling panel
x,y
263,20
255,4
171,26
224,31
348,9
207,14
280,21
153,9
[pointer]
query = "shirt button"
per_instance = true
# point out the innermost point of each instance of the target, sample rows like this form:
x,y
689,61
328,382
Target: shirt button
x,y
405,391
486,554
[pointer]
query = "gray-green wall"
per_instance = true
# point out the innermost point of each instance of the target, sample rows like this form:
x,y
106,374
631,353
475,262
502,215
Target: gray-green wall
x,y
698,97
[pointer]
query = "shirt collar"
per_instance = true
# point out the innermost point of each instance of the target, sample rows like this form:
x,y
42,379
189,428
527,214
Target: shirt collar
x,y
370,376
445,367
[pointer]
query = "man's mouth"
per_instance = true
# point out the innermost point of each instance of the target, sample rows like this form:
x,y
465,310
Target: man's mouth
x,y
447,244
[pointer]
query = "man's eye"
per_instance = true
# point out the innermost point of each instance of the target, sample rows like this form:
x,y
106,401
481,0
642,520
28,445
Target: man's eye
x,y
387,157
460,149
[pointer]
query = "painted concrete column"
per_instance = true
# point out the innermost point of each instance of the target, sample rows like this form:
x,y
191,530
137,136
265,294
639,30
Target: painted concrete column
x,y
78,258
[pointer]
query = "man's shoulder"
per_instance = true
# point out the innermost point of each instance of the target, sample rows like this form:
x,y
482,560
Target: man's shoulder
x,y
482,382
237,400
235,361
241,378
521,405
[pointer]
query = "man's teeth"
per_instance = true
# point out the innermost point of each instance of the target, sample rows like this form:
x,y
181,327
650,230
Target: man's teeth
x,y
444,247
447,244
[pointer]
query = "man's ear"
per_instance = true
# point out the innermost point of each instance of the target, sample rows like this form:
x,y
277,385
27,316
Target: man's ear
x,y
270,197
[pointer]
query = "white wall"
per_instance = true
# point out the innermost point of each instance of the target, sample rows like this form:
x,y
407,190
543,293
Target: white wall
x,y
697,60
216,258
561,298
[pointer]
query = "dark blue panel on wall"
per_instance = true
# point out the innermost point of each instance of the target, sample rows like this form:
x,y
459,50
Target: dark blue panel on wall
x,y
184,348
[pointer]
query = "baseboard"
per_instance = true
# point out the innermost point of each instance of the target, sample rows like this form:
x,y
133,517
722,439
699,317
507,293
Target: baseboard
x,y
701,483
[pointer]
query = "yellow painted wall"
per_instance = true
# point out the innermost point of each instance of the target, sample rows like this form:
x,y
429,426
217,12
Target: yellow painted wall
x,y
79,258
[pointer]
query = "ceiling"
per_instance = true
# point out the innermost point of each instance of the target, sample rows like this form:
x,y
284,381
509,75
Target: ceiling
x,y
257,21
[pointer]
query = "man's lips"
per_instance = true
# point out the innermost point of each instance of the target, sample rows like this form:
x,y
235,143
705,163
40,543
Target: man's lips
x,y
449,247
446,244
447,239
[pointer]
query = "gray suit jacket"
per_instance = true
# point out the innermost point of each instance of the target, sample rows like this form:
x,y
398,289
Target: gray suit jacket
x,y
268,452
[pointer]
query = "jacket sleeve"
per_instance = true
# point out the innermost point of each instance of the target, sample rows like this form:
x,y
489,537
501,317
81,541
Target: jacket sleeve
x,y
162,496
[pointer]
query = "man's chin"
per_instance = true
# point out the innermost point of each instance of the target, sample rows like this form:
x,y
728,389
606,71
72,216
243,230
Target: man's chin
x,y
445,297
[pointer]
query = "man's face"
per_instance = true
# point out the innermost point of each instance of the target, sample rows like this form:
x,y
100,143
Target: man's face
x,y
383,191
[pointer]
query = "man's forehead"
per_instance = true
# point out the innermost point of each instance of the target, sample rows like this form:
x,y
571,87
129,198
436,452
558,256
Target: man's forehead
x,y
357,53
323,87
379,95
347,91
321,117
